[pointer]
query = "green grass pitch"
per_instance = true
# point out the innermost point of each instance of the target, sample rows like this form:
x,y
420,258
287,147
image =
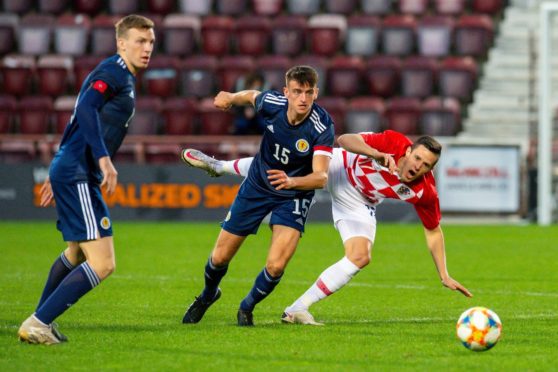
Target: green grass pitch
x,y
394,315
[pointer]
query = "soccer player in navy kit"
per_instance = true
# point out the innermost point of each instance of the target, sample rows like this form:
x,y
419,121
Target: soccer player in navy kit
x,y
80,168
292,162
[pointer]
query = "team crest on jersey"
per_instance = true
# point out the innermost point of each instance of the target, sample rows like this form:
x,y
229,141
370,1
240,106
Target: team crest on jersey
x,y
105,223
302,145
404,191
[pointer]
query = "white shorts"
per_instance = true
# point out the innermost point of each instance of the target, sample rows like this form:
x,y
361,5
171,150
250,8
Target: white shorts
x,y
353,215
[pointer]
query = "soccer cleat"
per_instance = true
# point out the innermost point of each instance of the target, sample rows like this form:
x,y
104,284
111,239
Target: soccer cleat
x,y
34,332
245,318
198,159
59,335
299,317
198,308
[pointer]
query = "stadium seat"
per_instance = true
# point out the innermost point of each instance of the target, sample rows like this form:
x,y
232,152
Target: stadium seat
x,y
326,33
403,114
123,7
8,29
491,7
303,7
231,7
365,114
216,35
363,35
320,64
434,36
418,76
103,42
449,7
35,33
231,68
376,7
90,7
398,35
344,76
52,6
273,69
55,73
252,35
383,75
161,79
413,7
162,7
34,114
147,118
71,34
214,121
196,7
345,7
17,6
337,109
128,153
197,76
440,117
17,151
267,7
17,72
473,35
8,106
82,67
63,110
180,32
180,116
457,77
161,153
288,34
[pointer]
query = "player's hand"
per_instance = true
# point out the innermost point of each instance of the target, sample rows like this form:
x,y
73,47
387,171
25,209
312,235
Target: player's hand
x,y
223,100
46,194
279,179
387,161
110,174
454,285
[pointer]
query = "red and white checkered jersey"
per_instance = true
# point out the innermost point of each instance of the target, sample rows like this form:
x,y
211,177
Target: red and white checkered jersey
x,y
375,182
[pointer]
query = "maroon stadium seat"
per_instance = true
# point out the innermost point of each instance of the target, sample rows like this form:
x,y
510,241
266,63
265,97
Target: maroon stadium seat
x,y
162,7
414,7
55,73
376,7
123,7
231,7
449,7
383,75
492,7
473,35
17,151
147,116
216,34
196,7
35,33
363,35
231,68
273,69
103,42
252,35
326,32
34,114
267,7
17,6
71,34
8,106
337,109
8,28
365,114
180,32
53,6
398,35
17,74
434,36
344,76
82,67
90,7
346,7
303,7
197,76
214,121
457,77
418,76
440,117
403,114
63,110
180,116
320,64
288,35
161,79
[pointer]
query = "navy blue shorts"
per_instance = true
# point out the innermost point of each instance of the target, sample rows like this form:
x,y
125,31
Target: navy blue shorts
x,y
82,212
251,206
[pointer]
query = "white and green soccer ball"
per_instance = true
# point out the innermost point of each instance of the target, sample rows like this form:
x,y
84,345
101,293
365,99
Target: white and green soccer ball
x,y
479,328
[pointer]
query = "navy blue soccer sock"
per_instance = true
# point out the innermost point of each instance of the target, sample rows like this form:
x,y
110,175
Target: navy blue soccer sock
x,y
80,281
263,286
213,275
60,268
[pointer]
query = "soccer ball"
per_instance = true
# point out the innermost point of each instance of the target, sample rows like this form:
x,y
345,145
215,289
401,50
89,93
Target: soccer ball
x,y
479,328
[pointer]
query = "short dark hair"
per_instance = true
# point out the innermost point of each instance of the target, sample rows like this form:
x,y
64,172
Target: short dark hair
x,y
430,143
302,75
132,21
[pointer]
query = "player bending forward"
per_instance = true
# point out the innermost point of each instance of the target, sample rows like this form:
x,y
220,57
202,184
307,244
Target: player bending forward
x,y
367,169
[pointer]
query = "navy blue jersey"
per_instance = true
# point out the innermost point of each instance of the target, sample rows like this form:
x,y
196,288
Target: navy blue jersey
x,y
288,147
104,107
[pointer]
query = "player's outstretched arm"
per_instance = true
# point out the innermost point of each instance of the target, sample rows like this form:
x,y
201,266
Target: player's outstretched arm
x,y
225,100
315,180
354,143
436,245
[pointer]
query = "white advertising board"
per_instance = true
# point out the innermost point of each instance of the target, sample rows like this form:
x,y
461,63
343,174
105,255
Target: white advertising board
x,y
479,178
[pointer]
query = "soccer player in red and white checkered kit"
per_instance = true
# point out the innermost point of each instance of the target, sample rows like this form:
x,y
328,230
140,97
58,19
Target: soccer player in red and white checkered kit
x,y
368,168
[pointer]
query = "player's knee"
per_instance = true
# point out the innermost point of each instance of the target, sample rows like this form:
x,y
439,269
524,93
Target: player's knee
x,y
360,260
104,269
275,269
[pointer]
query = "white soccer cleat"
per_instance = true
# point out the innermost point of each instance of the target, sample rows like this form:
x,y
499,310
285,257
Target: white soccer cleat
x,y
299,317
198,159
34,332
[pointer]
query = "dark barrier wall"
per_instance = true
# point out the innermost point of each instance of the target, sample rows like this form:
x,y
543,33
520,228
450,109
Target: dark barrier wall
x,y
148,192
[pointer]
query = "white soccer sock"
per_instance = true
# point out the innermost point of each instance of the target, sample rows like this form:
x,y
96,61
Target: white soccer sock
x,y
330,281
237,167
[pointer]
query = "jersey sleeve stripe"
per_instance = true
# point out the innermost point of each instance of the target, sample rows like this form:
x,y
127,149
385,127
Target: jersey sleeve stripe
x,y
275,102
